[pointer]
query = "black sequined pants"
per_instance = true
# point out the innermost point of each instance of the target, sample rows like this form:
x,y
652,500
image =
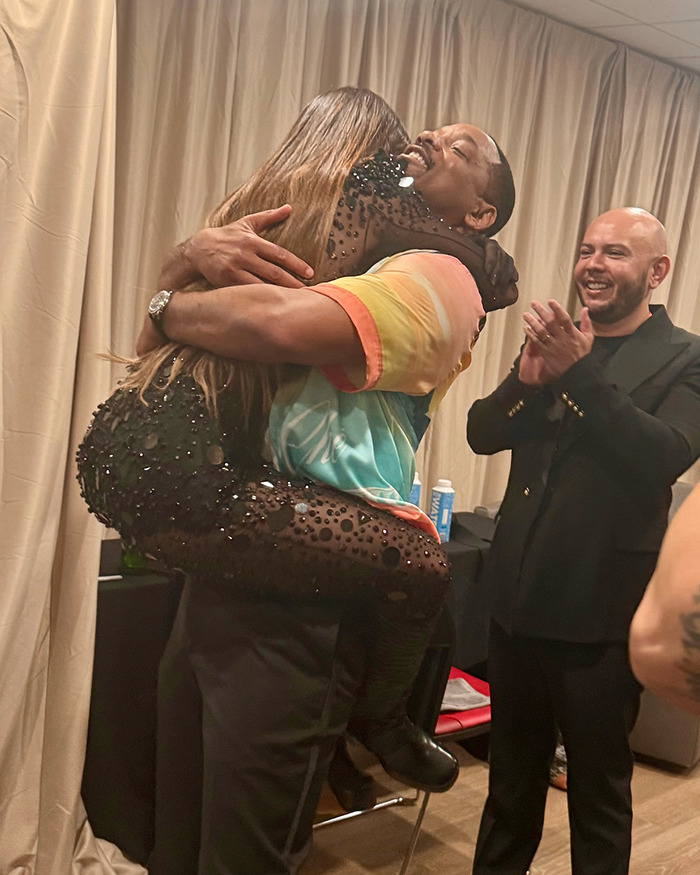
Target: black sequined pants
x,y
171,481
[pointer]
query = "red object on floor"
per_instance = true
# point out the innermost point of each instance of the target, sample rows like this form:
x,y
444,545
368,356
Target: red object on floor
x,y
465,723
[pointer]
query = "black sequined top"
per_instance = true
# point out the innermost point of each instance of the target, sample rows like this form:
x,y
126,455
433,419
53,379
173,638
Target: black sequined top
x,y
380,213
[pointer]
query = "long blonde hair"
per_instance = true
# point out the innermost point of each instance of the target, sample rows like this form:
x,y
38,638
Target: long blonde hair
x,y
333,132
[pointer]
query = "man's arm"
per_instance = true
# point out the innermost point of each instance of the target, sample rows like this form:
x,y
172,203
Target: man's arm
x,y
652,448
512,414
665,633
517,410
235,254
261,323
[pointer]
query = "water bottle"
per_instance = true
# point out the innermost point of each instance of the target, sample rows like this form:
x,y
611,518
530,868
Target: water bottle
x,y
441,499
414,495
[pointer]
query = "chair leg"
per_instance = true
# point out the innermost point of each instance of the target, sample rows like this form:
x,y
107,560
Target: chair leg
x,y
400,799
414,835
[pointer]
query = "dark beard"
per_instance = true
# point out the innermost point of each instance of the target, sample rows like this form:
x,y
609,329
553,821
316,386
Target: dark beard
x,y
623,304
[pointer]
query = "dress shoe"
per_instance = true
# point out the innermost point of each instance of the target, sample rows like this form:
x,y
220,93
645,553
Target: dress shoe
x,y
410,755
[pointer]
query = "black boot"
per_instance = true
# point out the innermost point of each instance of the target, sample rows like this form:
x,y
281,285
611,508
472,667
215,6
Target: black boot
x,y
410,755
354,790
379,721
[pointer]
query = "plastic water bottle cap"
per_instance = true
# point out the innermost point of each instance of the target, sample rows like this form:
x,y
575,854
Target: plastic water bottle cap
x,y
442,482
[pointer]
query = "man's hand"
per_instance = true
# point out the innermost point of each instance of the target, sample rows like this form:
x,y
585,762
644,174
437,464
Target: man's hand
x,y
499,266
235,254
497,283
553,343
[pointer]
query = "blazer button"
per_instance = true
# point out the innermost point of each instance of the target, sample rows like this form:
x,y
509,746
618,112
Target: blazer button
x,y
526,492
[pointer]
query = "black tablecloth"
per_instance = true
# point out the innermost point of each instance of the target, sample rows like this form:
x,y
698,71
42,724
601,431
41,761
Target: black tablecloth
x,y
470,540
134,617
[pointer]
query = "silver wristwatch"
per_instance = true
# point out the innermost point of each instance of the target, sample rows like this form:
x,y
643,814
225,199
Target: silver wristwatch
x,y
156,309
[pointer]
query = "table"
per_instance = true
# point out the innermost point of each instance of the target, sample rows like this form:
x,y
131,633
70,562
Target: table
x,y
468,598
134,617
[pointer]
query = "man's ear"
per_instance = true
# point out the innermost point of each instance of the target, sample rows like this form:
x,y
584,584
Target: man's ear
x,y
481,217
659,271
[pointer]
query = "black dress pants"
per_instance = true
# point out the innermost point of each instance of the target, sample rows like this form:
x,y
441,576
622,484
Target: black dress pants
x,y
253,695
590,692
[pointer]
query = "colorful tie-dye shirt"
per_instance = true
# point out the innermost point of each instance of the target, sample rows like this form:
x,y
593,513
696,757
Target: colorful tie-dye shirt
x,y
417,315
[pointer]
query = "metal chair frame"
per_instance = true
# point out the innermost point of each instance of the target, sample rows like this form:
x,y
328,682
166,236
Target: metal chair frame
x,y
424,709
398,799
457,735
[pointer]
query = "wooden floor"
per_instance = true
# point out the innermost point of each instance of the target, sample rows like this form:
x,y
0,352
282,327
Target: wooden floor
x,y
666,836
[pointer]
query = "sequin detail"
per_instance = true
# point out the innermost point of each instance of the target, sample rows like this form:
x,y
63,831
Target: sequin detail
x,y
381,213
191,491
197,498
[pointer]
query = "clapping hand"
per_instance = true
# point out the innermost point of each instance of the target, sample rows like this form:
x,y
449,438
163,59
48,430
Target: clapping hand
x,y
553,343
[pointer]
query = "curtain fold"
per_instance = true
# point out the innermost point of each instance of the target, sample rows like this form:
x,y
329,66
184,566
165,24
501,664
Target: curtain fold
x,y
58,79
122,125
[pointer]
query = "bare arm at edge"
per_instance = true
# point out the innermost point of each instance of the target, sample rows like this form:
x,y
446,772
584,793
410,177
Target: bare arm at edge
x,y
665,632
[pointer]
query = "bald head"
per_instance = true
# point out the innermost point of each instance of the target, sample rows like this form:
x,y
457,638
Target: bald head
x,y
621,260
644,229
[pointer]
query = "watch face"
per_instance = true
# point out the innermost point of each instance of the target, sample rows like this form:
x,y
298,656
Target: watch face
x,y
158,302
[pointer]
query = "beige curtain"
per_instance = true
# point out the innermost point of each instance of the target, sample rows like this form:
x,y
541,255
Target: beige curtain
x,y
120,126
57,135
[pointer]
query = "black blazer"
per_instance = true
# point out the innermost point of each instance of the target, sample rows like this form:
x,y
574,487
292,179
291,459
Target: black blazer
x,y
594,458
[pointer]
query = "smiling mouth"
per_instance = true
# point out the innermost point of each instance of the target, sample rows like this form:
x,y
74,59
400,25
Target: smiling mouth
x,y
595,287
419,155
